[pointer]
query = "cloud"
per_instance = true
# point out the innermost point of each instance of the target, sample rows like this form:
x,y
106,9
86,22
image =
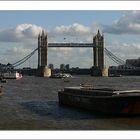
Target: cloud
x,y
19,41
27,33
60,51
72,33
78,57
21,33
124,50
13,54
129,23
75,32
18,51
74,29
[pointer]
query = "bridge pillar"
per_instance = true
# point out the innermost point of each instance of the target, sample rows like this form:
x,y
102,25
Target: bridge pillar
x,y
43,70
98,68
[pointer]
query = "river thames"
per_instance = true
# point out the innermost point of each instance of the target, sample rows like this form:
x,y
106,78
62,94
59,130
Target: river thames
x,y
32,104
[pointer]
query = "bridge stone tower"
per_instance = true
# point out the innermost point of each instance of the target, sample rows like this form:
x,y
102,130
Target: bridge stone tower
x,y
42,49
42,55
98,51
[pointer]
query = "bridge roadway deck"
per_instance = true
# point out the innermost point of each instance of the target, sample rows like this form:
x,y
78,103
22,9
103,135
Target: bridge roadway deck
x,y
72,45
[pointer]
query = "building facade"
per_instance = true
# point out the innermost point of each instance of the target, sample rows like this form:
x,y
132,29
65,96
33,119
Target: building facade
x,y
133,62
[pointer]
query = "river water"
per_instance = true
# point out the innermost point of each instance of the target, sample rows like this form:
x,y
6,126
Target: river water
x,y
32,104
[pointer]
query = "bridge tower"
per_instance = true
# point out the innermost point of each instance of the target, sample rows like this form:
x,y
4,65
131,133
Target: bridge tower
x,y
42,49
98,52
43,70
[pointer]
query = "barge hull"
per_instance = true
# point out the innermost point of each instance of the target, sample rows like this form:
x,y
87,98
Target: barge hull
x,y
102,104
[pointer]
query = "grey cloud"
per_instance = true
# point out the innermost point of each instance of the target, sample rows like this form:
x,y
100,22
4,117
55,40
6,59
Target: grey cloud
x,y
8,36
27,33
74,29
17,51
75,57
124,50
22,32
75,32
129,23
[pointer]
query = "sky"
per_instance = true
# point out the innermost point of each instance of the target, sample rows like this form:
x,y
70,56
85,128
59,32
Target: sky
x,y
19,31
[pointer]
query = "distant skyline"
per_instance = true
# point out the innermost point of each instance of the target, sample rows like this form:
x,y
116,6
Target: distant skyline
x,y
19,31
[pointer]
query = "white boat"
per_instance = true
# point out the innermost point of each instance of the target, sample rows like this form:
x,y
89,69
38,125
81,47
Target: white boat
x,y
61,75
12,75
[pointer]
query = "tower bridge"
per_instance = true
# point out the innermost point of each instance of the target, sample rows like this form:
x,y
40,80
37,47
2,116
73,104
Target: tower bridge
x,y
97,49
97,45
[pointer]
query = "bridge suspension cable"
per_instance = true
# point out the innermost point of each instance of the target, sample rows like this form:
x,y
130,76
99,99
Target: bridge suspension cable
x,y
114,57
21,61
118,60
108,53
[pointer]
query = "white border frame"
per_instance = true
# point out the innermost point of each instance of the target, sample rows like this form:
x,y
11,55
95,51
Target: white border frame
x,y
68,135
69,5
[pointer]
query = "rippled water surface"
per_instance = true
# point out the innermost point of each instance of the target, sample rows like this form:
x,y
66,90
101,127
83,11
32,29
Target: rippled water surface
x,y
32,104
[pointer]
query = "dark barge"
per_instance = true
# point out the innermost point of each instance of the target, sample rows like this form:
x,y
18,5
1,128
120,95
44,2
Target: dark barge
x,y
107,101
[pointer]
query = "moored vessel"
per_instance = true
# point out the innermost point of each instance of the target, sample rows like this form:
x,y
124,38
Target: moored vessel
x,y
105,100
12,75
61,75
115,75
